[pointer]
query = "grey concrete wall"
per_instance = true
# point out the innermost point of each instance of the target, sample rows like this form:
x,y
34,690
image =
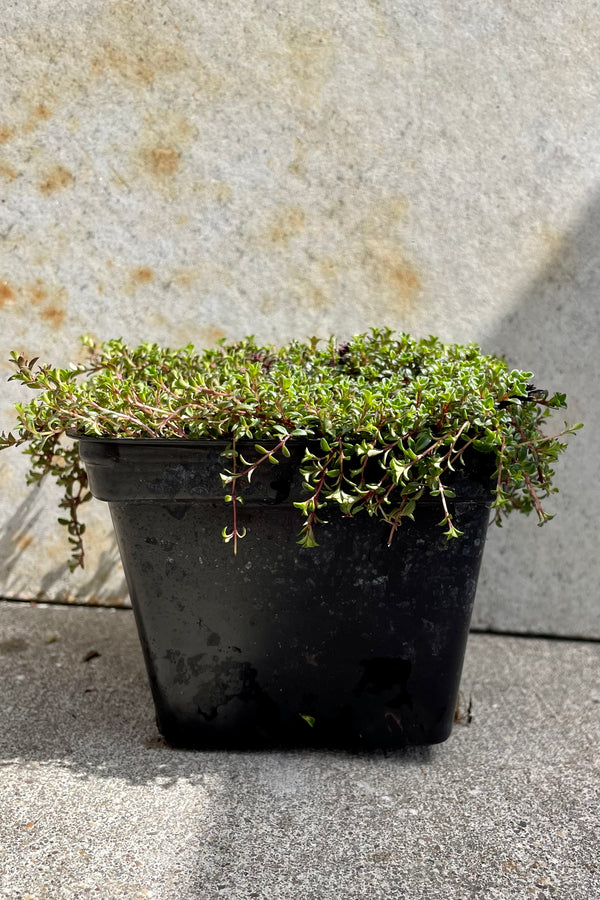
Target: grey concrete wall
x,y
180,171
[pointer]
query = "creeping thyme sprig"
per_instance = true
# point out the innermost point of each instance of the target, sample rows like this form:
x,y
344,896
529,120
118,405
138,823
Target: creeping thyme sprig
x,y
384,419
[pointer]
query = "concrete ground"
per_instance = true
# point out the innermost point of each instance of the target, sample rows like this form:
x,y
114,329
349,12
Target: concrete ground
x,y
94,804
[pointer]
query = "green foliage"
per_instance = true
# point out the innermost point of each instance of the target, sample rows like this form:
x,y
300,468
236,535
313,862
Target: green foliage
x,y
385,419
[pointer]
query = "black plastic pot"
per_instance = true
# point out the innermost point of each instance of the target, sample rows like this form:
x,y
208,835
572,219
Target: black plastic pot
x,y
350,644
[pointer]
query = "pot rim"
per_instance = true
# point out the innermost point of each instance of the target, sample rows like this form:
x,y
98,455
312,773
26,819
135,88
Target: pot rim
x,y
162,441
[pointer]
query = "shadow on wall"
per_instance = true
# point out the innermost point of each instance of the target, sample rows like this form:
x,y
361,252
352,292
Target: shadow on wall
x,y
545,580
102,586
15,533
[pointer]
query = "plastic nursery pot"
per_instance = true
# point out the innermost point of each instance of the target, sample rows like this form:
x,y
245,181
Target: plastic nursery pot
x,y
350,644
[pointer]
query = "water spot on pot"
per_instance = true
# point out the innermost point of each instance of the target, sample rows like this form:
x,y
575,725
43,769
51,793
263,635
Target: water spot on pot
x,y
7,294
236,681
12,645
181,674
383,675
213,639
55,179
177,510
196,664
281,486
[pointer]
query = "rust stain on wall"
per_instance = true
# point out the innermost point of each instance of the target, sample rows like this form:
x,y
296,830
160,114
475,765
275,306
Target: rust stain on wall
x,y
212,191
185,277
8,172
297,166
53,315
329,268
206,275
313,296
7,294
161,161
56,178
192,332
138,277
36,292
133,46
49,299
144,48
157,319
137,50
159,154
27,116
210,334
40,113
138,68
142,275
23,541
302,291
169,127
6,133
301,63
399,283
383,217
287,223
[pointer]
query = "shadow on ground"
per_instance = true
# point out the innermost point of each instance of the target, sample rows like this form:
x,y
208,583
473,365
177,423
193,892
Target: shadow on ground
x,y
77,695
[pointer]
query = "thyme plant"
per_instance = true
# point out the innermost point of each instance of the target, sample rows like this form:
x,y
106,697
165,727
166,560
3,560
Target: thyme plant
x,y
384,419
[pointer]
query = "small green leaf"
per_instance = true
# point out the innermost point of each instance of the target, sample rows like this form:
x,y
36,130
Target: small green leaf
x,y
308,541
